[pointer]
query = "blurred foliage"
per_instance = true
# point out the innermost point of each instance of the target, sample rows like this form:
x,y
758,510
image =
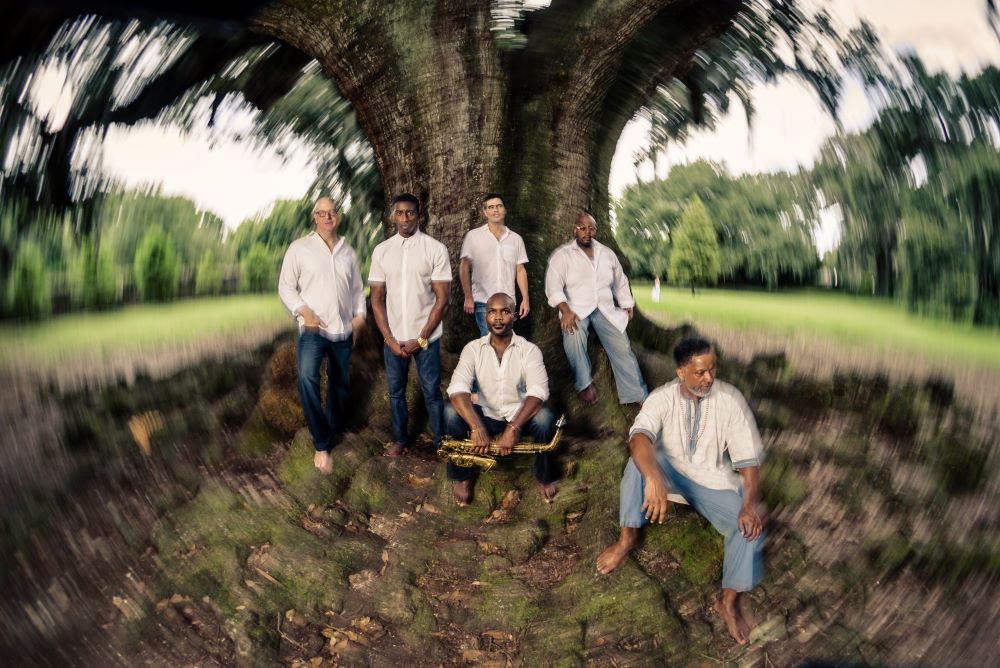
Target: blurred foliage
x,y
694,257
28,291
156,266
259,269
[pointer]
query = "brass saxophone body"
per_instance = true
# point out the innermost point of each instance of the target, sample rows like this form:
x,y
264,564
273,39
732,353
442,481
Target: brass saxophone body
x,y
459,451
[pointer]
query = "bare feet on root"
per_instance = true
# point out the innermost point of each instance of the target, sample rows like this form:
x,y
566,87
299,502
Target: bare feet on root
x,y
728,608
615,554
323,461
547,491
462,491
394,450
588,395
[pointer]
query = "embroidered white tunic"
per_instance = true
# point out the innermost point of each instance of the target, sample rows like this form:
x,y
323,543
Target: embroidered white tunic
x,y
329,282
494,261
723,439
503,384
587,285
407,267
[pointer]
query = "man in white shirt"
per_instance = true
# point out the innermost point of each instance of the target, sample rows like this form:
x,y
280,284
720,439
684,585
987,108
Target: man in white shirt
x,y
513,385
695,441
493,259
320,284
584,280
410,279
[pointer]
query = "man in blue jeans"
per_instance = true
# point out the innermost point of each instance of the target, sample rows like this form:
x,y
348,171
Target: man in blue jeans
x,y
512,386
696,441
410,279
586,282
320,284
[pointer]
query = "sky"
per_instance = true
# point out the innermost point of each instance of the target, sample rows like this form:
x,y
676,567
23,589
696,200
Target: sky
x,y
237,181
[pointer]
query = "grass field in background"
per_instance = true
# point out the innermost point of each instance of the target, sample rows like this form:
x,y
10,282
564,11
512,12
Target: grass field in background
x,y
841,318
136,328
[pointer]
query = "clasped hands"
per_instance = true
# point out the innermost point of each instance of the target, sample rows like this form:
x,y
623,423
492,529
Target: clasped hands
x,y
481,444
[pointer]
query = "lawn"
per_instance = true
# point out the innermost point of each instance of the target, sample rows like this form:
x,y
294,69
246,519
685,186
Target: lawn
x,y
846,319
137,328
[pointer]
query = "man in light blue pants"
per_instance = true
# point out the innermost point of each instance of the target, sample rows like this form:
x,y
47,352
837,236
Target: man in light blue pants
x,y
585,281
695,441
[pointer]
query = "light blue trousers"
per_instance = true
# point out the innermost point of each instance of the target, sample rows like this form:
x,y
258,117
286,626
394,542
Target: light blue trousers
x,y
628,378
742,562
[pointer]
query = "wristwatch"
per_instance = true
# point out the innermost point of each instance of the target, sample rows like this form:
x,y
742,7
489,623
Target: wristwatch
x,y
423,343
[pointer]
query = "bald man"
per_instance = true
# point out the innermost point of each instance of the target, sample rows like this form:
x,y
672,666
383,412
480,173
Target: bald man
x,y
320,285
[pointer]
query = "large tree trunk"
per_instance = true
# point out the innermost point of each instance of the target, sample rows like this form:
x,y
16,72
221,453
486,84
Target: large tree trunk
x,y
451,114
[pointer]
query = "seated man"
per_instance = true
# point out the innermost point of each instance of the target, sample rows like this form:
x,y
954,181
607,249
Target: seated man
x,y
690,438
512,382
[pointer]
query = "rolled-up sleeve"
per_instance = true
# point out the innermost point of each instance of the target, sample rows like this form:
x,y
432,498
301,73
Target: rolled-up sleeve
x,y
522,254
741,435
649,421
288,282
555,280
465,372
536,380
442,265
376,274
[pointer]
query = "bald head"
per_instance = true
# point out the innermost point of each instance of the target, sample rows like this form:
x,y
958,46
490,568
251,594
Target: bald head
x,y
584,230
500,315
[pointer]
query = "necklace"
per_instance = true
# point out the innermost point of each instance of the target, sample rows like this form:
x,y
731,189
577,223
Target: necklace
x,y
686,408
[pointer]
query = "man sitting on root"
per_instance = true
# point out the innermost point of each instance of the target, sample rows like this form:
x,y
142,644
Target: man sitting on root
x,y
695,437
510,375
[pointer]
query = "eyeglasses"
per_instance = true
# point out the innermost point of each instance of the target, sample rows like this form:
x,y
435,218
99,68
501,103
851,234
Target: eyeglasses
x,y
585,228
408,213
325,214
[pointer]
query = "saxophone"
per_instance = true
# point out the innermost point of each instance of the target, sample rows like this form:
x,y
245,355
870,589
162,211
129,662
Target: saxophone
x,y
459,451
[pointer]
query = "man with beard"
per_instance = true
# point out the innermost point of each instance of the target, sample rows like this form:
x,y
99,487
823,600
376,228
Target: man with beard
x,y
584,280
320,284
410,278
513,385
696,441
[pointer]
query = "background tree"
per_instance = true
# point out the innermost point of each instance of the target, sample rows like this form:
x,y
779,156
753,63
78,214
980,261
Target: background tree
x,y
208,278
156,266
258,269
28,294
694,256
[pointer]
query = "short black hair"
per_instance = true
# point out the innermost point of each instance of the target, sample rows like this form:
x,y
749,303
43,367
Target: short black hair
x,y
689,347
405,197
488,196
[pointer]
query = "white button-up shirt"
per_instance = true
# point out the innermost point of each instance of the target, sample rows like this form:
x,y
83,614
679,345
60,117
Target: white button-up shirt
x,y
494,261
407,267
705,440
503,384
587,285
327,281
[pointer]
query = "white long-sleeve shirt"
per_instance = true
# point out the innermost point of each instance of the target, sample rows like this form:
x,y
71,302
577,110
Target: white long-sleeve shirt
x,y
328,282
706,440
494,261
408,266
503,384
587,285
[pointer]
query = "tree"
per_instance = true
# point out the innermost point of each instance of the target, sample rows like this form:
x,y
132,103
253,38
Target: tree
x,y
208,279
156,266
258,269
694,256
28,294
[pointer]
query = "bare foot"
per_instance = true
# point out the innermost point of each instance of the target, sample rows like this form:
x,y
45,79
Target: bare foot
x,y
589,395
323,461
548,491
462,491
393,450
729,609
613,556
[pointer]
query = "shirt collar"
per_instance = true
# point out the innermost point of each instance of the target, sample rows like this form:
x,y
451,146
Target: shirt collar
x,y
514,340
336,246
401,240
486,230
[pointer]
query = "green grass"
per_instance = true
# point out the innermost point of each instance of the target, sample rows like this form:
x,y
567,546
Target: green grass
x,y
138,328
837,317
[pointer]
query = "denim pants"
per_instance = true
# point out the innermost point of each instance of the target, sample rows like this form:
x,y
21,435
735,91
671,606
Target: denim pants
x,y
481,318
312,349
540,429
742,562
624,365
397,370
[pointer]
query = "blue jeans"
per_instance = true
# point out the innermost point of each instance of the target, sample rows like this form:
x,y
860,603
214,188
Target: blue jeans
x,y
312,349
628,377
742,561
429,373
540,428
481,318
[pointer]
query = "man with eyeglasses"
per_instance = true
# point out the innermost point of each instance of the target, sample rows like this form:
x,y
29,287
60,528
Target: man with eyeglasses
x,y
493,259
410,280
586,282
320,284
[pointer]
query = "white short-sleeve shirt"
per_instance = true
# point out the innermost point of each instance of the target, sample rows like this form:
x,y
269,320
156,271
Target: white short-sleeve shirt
x,y
503,384
494,261
407,267
328,281
587,285
709,451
